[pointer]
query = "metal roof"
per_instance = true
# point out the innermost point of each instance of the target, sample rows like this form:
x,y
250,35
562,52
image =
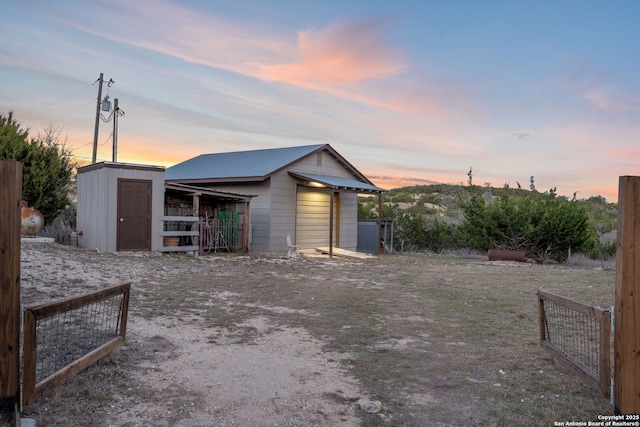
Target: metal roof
x,y
119,165
256,164
338,182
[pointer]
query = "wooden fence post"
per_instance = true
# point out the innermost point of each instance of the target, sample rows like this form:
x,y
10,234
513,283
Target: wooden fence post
x,y
627,309
10,195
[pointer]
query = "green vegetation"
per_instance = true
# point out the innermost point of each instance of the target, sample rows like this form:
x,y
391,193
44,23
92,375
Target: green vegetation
x,y
446,217
47,169
543,225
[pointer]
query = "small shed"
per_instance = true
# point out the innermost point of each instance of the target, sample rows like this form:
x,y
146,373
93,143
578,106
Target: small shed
x,y
127,207
120,206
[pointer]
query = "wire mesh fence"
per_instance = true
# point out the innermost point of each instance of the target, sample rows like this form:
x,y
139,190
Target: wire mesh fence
x,y
578,336
64,337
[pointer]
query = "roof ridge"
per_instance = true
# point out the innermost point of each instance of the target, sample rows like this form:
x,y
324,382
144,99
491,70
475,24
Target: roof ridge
x,y
266,149
249,164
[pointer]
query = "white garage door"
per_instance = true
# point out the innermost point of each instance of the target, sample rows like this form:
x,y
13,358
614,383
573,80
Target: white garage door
x,y
312,218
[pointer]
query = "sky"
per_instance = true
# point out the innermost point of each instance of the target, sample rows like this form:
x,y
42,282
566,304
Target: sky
x,y
409,92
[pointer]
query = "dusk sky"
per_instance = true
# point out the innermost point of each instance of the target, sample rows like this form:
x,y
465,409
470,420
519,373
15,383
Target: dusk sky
x,y
409,92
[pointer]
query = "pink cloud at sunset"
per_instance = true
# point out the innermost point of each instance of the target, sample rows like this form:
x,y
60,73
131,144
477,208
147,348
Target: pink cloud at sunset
x,y
419,99
609,99
626,156
328,59
341,54
338,58
194,37
598,88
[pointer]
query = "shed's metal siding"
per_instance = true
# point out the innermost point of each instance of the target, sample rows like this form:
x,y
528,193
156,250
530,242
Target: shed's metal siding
x,y
98,204
92,209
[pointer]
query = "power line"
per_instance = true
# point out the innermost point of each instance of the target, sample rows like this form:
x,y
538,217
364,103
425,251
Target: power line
x,y
58,101
55,119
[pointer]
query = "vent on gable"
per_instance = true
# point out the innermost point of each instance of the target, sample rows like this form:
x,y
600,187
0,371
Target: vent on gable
x,y
319,159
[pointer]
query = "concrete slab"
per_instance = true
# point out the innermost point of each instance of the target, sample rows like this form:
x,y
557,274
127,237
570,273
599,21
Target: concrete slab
x,y
346,253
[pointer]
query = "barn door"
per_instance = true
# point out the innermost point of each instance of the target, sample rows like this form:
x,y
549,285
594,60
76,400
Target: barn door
x,y
134,215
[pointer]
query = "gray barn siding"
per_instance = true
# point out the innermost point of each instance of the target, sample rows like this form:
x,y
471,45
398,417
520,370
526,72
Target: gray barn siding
x,y
349,221
329,166
259,211
283,210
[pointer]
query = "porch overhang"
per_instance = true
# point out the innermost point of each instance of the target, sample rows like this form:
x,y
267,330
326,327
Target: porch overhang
x,y
203,191
337,183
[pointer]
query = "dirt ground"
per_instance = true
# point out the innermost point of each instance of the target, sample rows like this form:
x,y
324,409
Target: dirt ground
x,y
232,340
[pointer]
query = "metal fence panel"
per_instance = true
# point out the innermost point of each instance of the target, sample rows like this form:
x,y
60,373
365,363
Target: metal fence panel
x,y
578,336
62,338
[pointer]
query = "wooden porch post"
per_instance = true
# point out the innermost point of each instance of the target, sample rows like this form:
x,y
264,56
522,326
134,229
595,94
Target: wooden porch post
x,y
196,213
627,299
336,215
380,247
331,224
196,204
247,225
10,195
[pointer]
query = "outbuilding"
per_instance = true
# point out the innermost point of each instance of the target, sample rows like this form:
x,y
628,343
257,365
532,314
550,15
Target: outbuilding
x,y
306,196
129,207
119,207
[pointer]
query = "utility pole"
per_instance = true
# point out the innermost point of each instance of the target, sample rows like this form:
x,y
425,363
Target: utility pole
x,y
95,133
116,110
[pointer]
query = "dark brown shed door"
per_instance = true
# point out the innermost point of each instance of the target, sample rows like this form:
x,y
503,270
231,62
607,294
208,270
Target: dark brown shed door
x,y
134,215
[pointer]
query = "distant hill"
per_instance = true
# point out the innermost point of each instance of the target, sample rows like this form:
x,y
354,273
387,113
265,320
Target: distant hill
x,y
443,201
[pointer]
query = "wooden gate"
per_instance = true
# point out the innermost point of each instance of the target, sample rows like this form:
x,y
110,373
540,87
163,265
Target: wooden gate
x,y
64,337
579,337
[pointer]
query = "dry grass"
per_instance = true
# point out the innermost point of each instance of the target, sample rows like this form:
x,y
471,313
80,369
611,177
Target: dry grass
x,y
439,340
